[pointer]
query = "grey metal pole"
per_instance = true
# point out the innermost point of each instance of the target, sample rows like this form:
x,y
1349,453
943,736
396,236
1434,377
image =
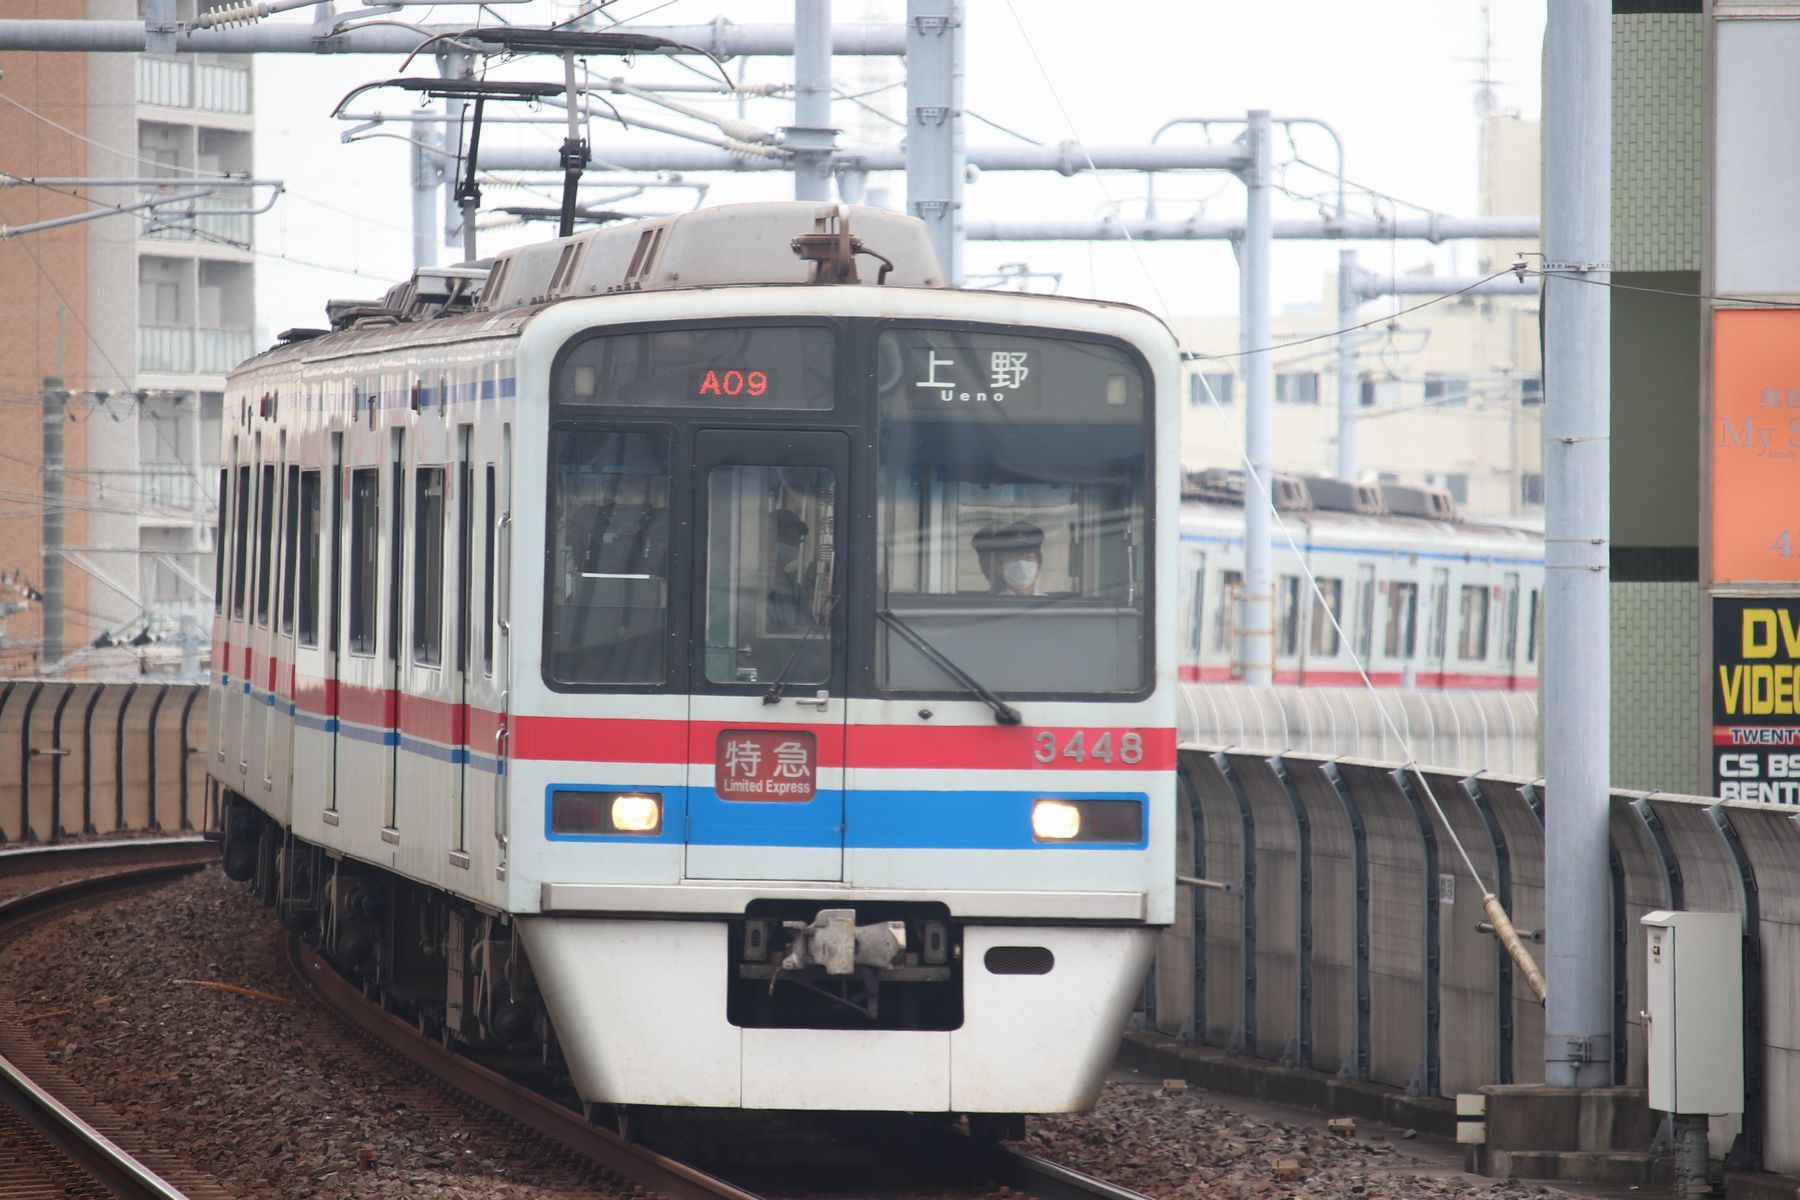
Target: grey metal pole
x,y
1349,385
812,99
424,193
55,404
1577,658
1258,626
934,127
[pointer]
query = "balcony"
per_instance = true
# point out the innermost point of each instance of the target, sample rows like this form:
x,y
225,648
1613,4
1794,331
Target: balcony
x,y
209,87
158,491
180,350
230,228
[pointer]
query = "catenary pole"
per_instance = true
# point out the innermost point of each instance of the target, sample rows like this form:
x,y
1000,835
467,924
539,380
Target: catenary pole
x,y
935,160
1349,386
1577,413
810,134
1257,627
424,192
55,401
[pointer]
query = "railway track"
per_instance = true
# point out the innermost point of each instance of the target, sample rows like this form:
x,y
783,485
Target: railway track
x,y
690,1156
53,1141
56,1141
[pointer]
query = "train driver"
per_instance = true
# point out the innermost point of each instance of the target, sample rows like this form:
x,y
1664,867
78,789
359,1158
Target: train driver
x,y
1012,557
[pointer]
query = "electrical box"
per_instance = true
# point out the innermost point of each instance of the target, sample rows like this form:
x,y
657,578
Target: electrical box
x,y
1694,1011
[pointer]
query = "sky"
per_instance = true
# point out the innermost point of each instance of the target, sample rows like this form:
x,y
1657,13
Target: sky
x,y
1397,79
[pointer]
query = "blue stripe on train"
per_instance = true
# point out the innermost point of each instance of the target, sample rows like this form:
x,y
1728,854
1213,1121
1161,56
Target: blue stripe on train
x,y
906,819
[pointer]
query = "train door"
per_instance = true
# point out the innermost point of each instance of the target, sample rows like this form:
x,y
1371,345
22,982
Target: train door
x,y
337,490
501,596
390,671
767,709
1437,644
465,633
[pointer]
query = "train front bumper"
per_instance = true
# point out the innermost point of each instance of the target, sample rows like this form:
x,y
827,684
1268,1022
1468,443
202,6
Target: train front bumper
x,y
639,1008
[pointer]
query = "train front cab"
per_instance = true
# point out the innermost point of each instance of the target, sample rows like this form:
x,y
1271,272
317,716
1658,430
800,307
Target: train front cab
x,y
845,775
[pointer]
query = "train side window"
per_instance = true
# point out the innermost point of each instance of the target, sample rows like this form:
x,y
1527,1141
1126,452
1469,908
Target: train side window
x,y
1472,641
265,546
1402,619
1531,627
1440,614
465,546
365,546
1509,619
310,527
1197,614
1328,605
219,539
428,566
1289,604
290,561
1365,610
487,582
1231,590
240,554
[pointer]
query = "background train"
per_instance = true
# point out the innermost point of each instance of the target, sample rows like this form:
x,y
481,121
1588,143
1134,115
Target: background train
x,y
1423,598
712,656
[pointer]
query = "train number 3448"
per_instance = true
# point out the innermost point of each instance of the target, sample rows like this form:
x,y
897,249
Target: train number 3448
x,y
1085,744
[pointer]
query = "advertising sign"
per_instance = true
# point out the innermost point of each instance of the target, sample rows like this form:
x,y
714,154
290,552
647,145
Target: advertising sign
x,y
1756,699
1756,445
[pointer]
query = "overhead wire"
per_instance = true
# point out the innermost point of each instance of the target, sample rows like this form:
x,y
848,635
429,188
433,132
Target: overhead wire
x,y
1497,915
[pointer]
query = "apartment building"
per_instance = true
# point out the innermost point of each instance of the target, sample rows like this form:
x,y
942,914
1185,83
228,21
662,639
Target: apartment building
x,y
140,315
1450,393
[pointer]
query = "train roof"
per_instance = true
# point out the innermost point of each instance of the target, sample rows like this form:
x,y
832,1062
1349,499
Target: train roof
x,y
768,244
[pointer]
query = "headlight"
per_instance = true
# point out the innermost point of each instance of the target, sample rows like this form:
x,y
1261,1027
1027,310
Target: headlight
x,y
637,814
1055,821
1087,820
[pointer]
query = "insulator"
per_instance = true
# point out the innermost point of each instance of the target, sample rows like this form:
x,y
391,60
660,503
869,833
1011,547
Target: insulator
x,y
230,14
743,131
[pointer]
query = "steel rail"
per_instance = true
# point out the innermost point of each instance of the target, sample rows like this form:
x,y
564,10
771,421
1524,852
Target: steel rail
x,y
663,1175
86,1147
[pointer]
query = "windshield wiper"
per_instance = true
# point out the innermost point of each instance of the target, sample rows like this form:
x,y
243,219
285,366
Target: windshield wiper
x,y
1004,713
773,695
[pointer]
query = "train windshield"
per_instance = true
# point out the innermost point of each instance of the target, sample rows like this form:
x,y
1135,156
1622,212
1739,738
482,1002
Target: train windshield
x,y
1013,527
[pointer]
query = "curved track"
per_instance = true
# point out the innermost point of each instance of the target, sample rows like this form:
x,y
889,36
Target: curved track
x,y
818,1156
51,1144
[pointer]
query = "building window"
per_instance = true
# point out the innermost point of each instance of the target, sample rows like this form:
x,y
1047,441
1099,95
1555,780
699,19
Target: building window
x,y
1531,389
1457,485
1441,389
1531,490
1297,387
1222,382
1380,393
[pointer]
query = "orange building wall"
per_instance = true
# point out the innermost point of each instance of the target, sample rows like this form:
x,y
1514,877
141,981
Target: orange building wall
x,y
40,272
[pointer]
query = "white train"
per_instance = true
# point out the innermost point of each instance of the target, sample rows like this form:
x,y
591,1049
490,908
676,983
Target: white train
x,y
1422,598
713,654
